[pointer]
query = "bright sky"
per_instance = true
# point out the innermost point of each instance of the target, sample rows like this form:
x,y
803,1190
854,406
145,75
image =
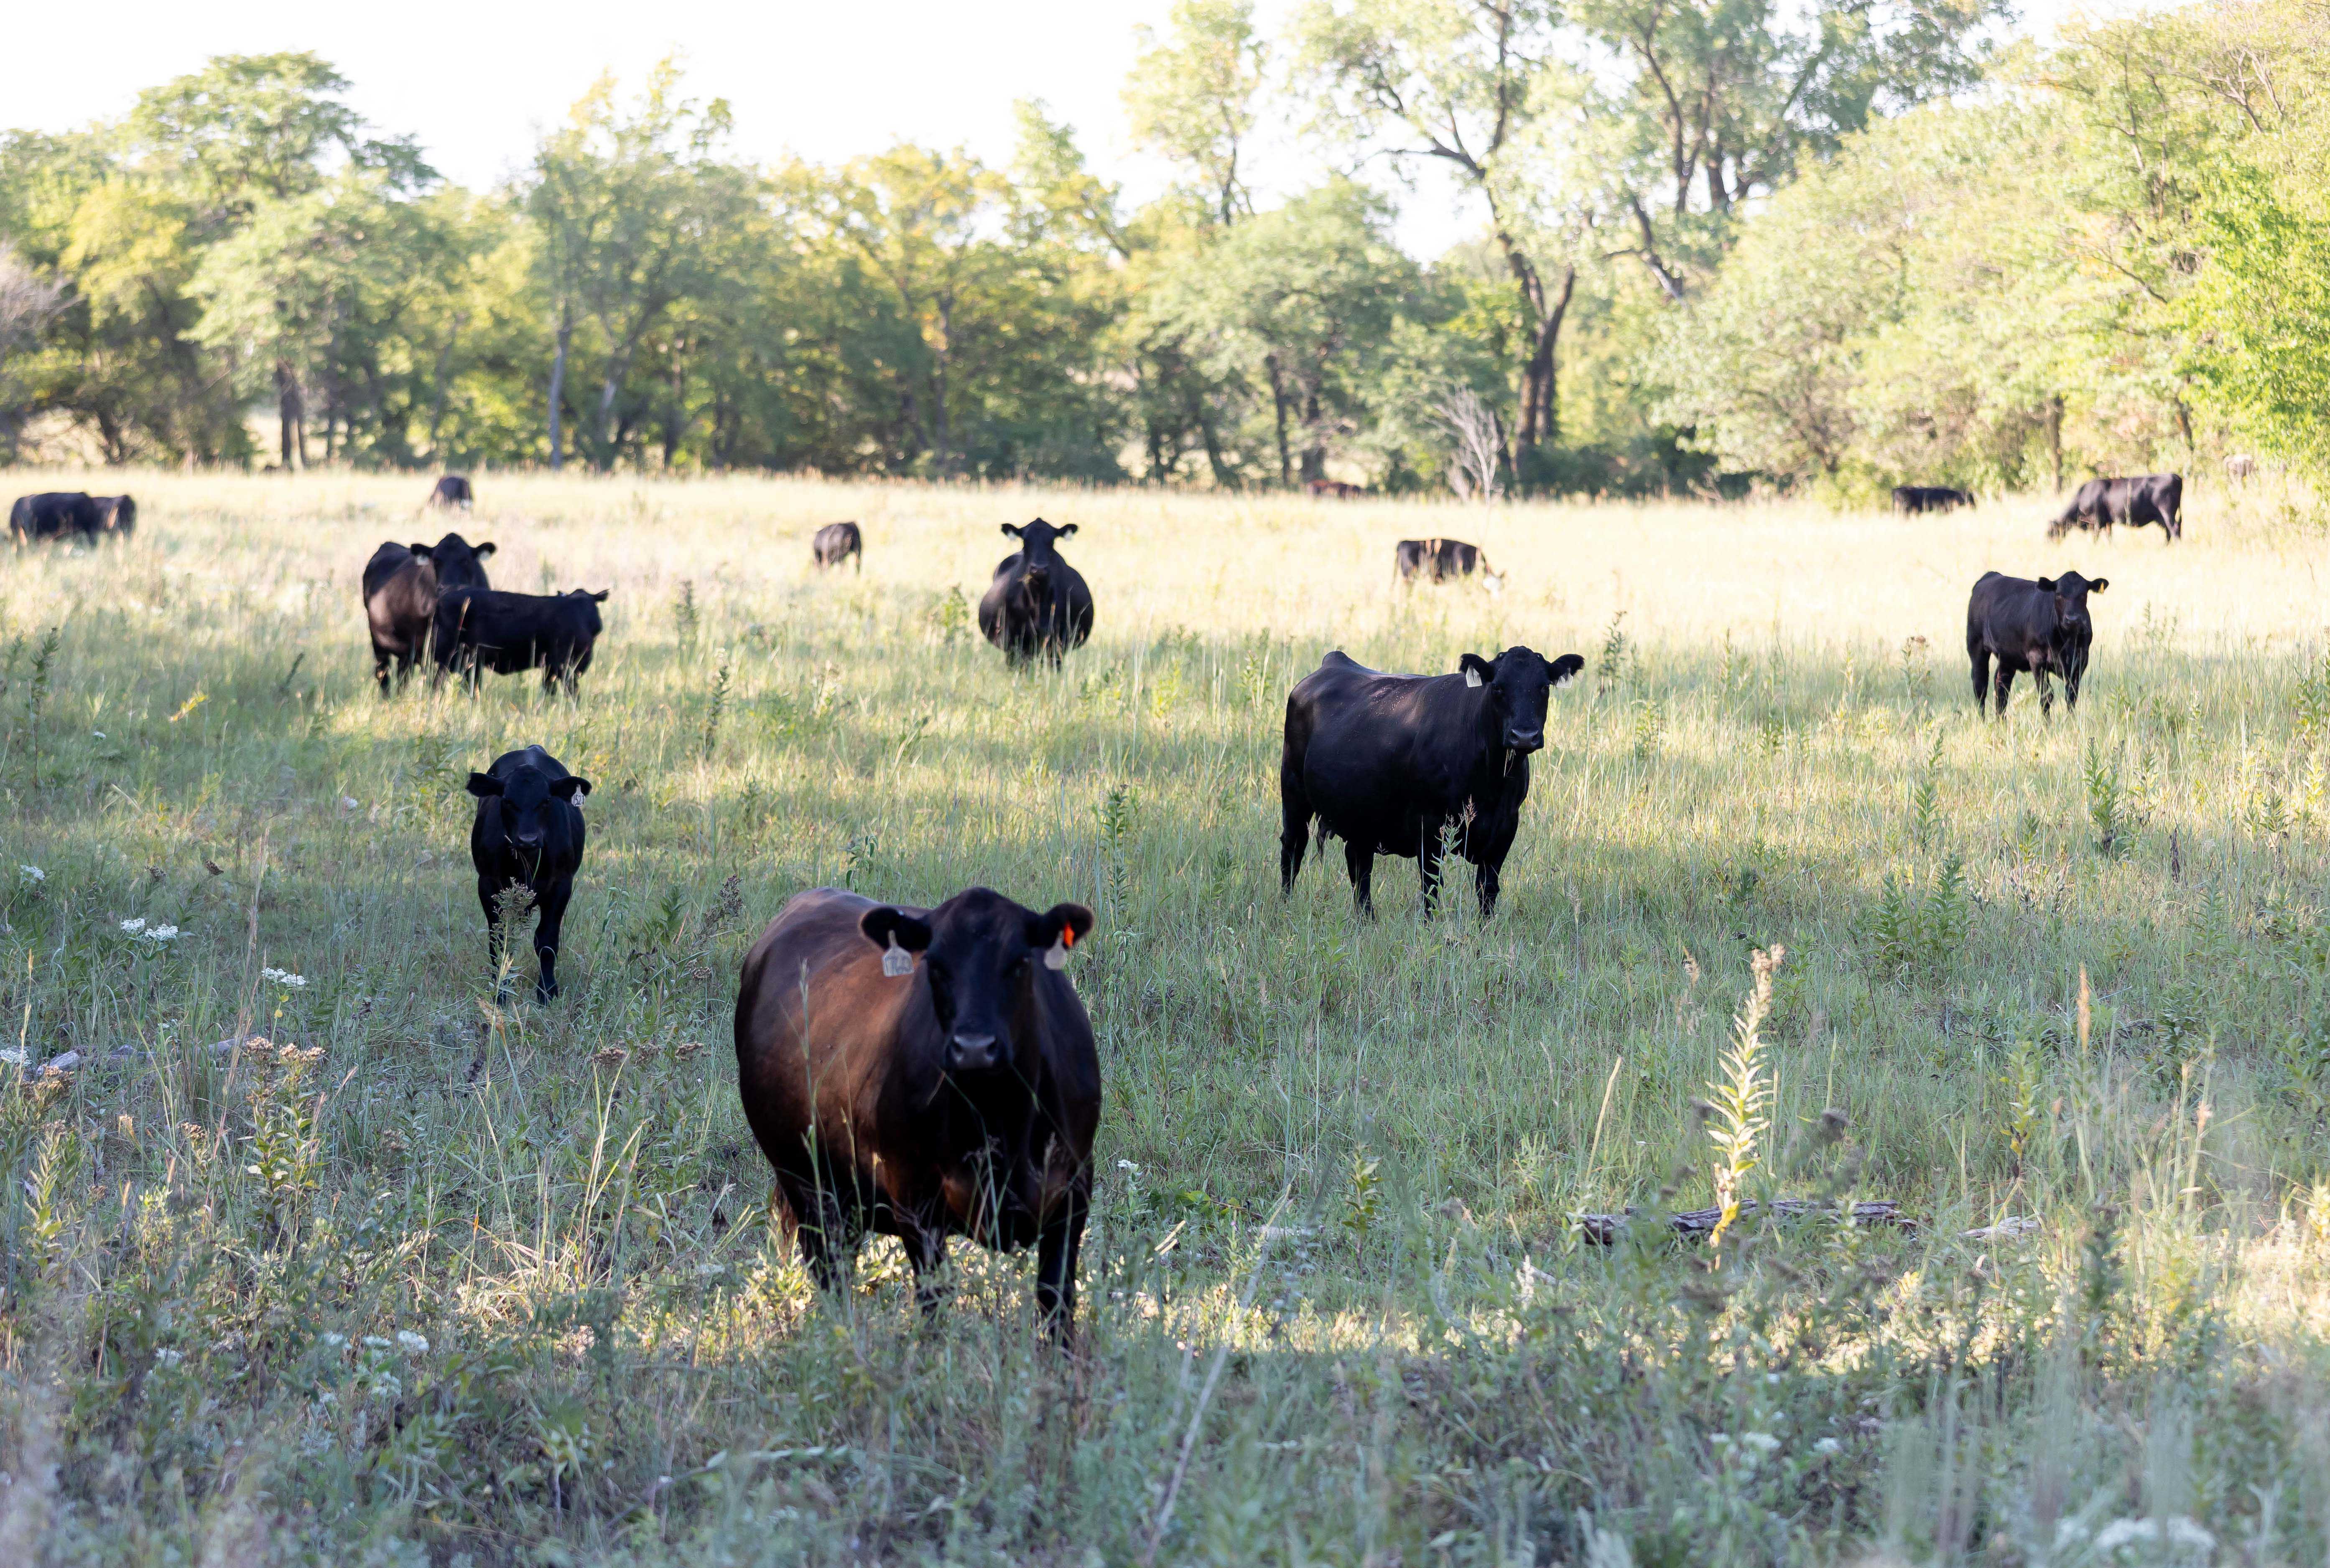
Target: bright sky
x,y
476,82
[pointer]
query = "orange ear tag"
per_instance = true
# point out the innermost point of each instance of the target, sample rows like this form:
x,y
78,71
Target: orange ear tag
x,y
897,960
1056,956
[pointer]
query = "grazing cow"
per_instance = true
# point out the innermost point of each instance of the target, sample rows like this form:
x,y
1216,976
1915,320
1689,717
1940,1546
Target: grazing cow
x,y
71,513
835,542
924,1073
2040,626
1386,762
453,490
1911,500
528,834
1038,602
1439,560
2240,467
2145,498
401,585
479,628
1333,489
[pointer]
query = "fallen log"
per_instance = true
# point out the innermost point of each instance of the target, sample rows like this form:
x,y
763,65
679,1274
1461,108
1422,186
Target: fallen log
x,y
1604,1230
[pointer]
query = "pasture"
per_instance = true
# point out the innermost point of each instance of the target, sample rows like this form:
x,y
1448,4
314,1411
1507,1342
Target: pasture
x,y
375,1267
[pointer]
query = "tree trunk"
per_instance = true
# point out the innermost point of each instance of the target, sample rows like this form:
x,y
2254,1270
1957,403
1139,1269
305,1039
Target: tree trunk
x,y
1278,405
565,333
290,438
1540,420
2055,439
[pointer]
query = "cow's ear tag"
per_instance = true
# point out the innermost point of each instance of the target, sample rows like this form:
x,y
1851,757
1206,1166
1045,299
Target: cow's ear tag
x,y
1472,676
1056,956
897,960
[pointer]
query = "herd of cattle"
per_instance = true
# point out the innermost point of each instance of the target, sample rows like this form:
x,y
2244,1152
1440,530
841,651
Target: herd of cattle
x,y
949,1085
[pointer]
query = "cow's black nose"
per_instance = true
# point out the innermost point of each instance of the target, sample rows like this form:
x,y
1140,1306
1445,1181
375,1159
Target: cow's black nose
x,y
1533,742
971,1053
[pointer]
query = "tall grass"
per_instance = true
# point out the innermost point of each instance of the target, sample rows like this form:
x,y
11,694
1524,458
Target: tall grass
x,y
380,1267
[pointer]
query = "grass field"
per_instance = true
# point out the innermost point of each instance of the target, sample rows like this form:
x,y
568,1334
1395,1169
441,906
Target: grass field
x,y
407,1276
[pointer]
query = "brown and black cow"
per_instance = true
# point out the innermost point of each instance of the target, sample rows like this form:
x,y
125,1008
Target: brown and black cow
x,y
924,1073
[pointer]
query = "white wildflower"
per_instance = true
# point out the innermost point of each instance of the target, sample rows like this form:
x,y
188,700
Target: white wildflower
x,y
1128,1165
1720,1439
414,1344
284,977
1827,1446
161,934
710,1270
168,1358
134,927
375,1342
15,1056
334,1341
97,734
1762,1440
31,873
2175,1531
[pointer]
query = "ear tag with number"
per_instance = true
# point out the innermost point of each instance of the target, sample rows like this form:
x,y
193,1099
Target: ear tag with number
x,y
897,960
1056,956
1472,676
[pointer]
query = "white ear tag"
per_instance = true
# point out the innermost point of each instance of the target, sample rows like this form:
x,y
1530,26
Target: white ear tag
x,y
897,960
1056,956
1472,676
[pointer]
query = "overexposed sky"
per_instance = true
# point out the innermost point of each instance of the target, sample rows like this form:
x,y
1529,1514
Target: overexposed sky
x,y
477,81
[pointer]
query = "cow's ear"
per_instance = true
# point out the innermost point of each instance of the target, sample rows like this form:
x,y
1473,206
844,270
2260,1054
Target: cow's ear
x,y
1565,669
484,549
1011,531
1062,926
420,550
568,788
2099,585
880,924
601,597
1071,528
484,785
2046,585
1476,670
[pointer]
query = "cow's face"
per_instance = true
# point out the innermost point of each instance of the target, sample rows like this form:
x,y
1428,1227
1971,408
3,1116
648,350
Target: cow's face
x,y
1037,539
527,803
456,561
1494,581
1519,681
2071,592
980,952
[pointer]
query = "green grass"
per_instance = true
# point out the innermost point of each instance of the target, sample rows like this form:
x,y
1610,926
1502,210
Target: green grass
x,y
1335,1309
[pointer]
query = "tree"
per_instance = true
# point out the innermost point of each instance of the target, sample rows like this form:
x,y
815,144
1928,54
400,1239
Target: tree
x,y
1191,97
1460,82
623,206
1710,104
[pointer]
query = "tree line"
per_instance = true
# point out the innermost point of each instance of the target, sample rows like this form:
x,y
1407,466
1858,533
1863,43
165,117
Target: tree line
x,y
1831,244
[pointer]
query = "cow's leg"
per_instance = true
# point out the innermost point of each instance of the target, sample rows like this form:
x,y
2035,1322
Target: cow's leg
x,y
553,903
925,1235
2046,691
1056,1261
1360,859
824,1234
2073,675
1294,828
2002,684
380,658
1979,656
489,889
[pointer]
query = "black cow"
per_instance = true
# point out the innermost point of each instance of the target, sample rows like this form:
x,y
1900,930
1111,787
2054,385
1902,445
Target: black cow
x,y
453,490
835,542
1438,559
1911,500
1038,602
2040,626
924,1073
528,834
2145,498
71,513
481,629
1384,762
401,585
